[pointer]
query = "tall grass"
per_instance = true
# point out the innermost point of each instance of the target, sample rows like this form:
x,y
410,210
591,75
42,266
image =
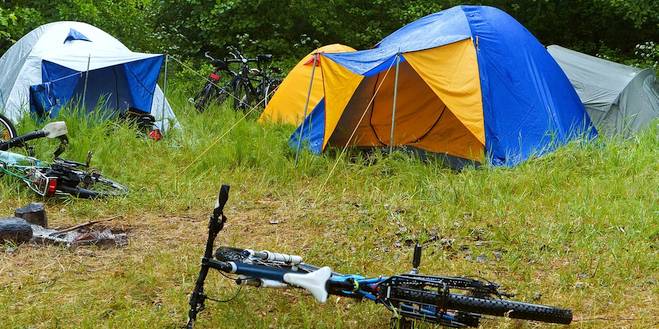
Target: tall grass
x,y
576,228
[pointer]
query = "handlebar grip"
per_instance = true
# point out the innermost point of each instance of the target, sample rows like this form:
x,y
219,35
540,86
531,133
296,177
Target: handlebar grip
x,y
278,257
222,199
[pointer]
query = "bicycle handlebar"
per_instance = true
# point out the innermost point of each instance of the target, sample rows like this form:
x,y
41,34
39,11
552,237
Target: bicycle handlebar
x,y
20,140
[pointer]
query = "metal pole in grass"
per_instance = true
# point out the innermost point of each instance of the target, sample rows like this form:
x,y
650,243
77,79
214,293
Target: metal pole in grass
x,y
306,108
84,89
393,110
164,97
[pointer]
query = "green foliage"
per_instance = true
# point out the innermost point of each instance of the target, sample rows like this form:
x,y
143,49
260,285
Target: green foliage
x,y
131,21
15,22
291,28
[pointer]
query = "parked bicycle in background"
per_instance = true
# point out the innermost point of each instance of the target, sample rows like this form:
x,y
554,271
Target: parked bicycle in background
x,y
245,86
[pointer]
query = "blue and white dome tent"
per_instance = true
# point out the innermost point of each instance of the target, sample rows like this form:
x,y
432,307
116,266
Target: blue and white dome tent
x,y
61,62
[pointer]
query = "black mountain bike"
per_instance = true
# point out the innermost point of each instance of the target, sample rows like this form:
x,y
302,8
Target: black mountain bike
x,y
247,86
456,302
213,91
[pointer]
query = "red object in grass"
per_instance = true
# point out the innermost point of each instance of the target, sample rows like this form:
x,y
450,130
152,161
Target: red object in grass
x,y
155,134
52,187
215,77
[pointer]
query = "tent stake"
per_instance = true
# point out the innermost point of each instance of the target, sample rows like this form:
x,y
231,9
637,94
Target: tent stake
x,y
164,98
306,108
84,89
393,110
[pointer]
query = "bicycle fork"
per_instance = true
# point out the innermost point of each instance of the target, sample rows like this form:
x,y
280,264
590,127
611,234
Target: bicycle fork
x,y
215,225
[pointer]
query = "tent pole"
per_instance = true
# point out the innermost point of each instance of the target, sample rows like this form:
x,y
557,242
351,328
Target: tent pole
x,y
84,89
306,108
164,98
393,110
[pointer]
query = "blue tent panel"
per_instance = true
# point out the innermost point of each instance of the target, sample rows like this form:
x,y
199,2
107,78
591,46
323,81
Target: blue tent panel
x,y
142,77
529,106
46,99
113,88
314,130
432,31
75,35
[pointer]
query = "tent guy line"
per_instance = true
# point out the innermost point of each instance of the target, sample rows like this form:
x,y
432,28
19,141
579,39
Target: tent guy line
x,y
344,148
218,139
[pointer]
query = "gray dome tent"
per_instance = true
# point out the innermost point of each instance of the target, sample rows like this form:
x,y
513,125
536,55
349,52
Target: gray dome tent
x,y
620,99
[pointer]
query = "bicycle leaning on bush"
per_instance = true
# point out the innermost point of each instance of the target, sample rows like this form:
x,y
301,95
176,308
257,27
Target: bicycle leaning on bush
x,y
456,302
247,86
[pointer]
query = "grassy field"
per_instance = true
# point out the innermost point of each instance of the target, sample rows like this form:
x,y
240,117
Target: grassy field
x,y
578,228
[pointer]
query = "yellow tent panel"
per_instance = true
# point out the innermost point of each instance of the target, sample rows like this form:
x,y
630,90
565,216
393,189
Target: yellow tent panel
x,y
451,71
287,104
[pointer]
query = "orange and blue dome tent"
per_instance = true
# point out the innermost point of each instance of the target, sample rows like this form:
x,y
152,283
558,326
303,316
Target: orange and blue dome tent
x,y
469,82
289,101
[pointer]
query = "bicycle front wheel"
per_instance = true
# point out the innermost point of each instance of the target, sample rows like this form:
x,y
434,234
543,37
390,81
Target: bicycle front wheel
x,y
486,306
242,96
203,99
7,130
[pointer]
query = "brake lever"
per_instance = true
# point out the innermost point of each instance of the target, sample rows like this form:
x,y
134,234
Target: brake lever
x,y
88,161
64,142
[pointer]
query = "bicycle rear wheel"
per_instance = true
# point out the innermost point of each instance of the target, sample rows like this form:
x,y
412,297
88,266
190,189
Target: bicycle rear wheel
x,y
204,97
7,129
486,306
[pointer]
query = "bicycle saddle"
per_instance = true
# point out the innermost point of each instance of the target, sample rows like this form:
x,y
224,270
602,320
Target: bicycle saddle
x,y
264,57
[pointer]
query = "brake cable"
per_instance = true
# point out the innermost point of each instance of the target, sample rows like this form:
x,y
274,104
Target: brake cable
x,y
240,288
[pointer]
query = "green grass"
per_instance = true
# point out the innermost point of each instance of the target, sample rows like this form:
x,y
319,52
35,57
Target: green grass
x,y
578,228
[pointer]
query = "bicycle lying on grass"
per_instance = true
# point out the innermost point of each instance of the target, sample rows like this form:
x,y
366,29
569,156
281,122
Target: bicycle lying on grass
x,y
456,302
61,177
247,86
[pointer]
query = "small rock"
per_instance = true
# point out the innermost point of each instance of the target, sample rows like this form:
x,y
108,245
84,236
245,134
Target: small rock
x,y
580,285
446,243
33,213
582,275
481,258
274,221
497,255
536,296
15,230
